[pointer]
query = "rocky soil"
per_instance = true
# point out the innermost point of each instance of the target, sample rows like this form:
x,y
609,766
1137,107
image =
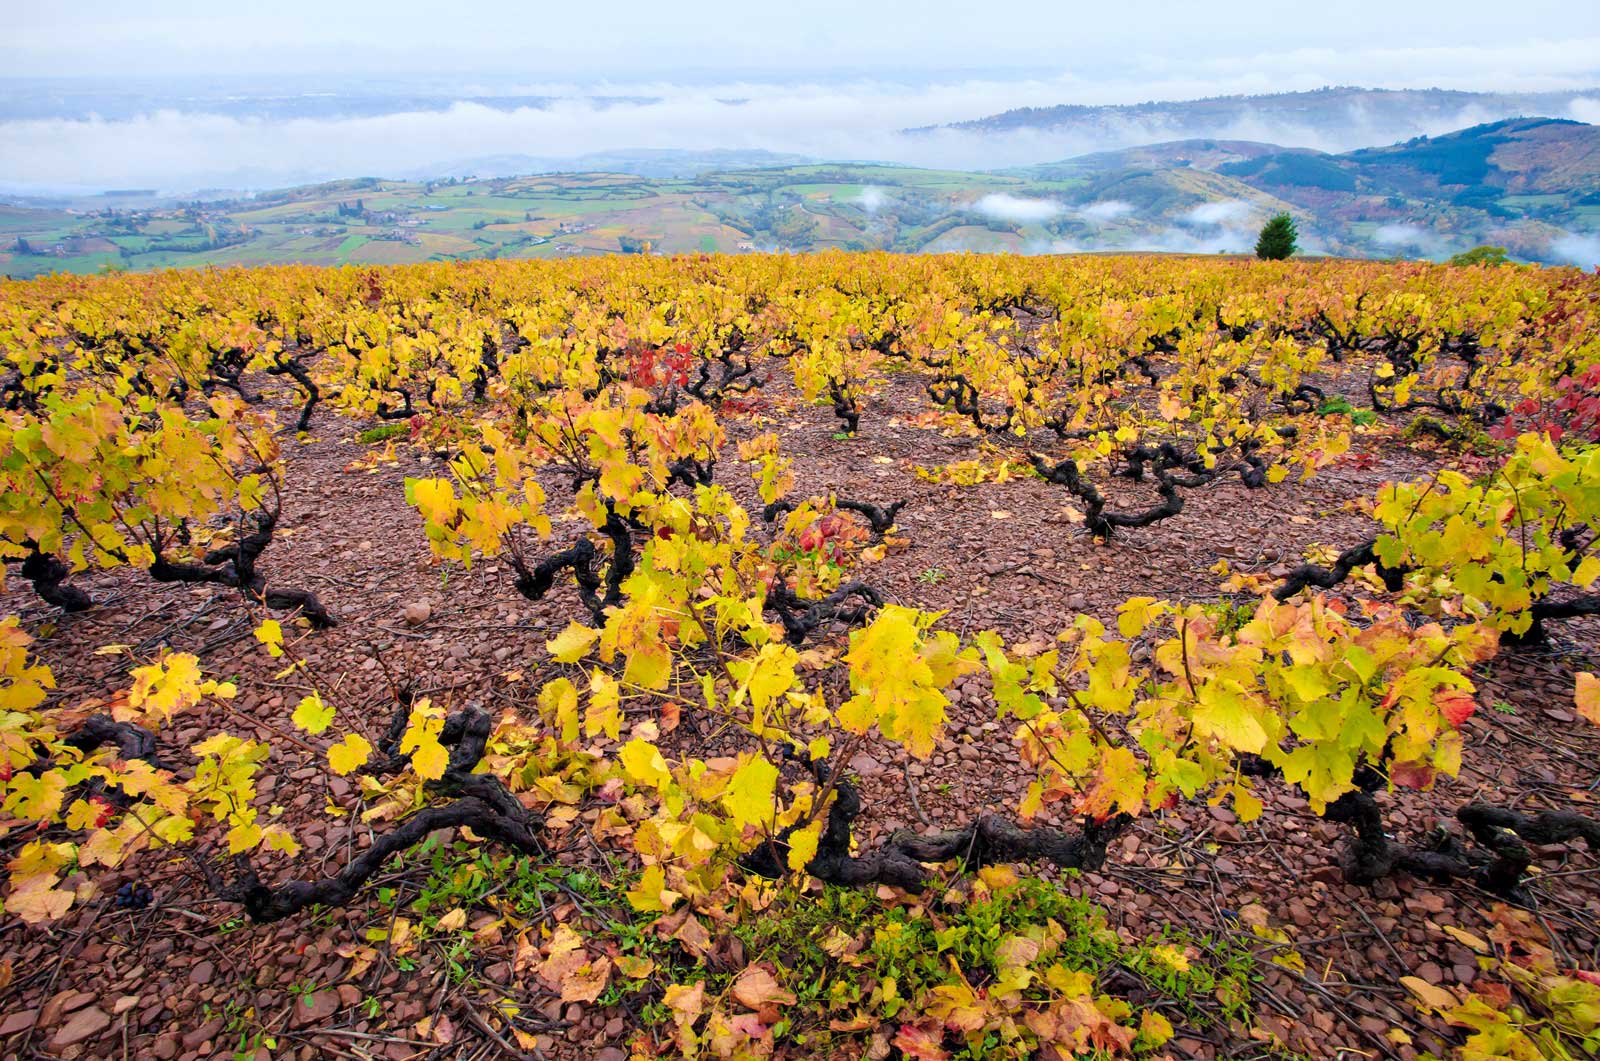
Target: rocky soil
x,y
182,978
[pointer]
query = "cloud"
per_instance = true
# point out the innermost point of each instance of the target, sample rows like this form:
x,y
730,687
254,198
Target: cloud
x,y
173,143
1004,207
1228,213
179,150
1398,235
1059,246
872,199
1577,248
1106,210
1181,241
1403,236
1586,109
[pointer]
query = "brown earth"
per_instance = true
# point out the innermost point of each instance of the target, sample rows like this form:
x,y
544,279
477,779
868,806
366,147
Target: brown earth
x,y
180,978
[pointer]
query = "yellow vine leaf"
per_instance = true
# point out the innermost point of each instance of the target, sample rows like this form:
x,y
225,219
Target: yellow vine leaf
x,y
428,757
642,762
349,755
652,894
1587,696
1137,613
769,676
166,686
750,792
803,845
1154,1029
896,685
245,836
81,815
1171,956
277,838
1222,712
558,705
572,644
312,715
36,798
34,875
270,634
604,714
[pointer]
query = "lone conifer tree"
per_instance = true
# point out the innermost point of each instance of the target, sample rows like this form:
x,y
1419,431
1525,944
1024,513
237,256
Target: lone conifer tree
x,y
1277,240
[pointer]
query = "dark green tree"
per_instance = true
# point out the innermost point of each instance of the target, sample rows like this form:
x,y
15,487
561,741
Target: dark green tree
x,y
1482,255
1277,240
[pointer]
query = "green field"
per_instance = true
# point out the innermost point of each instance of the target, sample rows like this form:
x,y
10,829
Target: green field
x,y
370,221
793,208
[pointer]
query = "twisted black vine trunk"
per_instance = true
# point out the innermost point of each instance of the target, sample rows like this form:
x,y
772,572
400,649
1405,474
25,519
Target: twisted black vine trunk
x,y
879,518
405,412
1365,554
131,741
583,560
49,573
235,566
899,861
730,378
292,368
851,604
1096,518
488,367
481,802
844,407
1543,609
692,472
226,369
1373,856
957,392
1328,577
1498,865
1507,833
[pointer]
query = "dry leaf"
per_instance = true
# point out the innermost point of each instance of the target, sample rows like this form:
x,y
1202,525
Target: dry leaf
x,y
569,968
1467,939
756,987
670,715
1434,997
686,1002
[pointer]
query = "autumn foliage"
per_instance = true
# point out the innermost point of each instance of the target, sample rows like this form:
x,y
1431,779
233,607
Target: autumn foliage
x,y
576,422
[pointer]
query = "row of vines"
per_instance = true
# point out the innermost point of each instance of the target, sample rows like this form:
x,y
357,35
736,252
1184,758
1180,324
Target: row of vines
x,y
578,416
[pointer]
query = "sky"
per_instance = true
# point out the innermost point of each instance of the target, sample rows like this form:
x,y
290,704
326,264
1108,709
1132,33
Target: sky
x,y
1532,42
137,103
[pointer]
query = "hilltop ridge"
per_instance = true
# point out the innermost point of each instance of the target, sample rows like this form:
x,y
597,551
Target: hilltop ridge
x,y
1530,184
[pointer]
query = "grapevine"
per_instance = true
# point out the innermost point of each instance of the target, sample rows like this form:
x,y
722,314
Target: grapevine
x,y
695,498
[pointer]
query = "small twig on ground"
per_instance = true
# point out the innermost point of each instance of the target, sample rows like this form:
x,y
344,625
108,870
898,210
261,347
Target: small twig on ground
x,y
911,790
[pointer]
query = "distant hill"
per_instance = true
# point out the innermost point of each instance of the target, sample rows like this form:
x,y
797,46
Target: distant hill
x,y
1334,118
1512,180
1195,154
663,163
1530,184
1519,156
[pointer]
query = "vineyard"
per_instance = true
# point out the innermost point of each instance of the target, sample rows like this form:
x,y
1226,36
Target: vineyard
x,y
820,656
